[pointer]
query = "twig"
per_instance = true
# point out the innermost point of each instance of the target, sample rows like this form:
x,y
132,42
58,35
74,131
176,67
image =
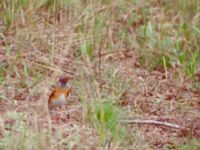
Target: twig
x,y
28,88
154,111
99,62
153,122
99,68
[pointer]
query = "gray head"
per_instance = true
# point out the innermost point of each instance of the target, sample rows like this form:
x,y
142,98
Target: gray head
x,y
63,81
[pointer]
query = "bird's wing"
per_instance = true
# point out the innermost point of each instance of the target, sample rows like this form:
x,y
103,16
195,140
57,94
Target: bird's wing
x,y
54,94
67,92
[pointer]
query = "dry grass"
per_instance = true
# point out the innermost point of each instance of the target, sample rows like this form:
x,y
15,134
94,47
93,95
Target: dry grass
x,y
136,59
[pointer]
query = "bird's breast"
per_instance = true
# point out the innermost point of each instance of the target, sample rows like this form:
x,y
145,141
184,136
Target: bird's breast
x,y
60,100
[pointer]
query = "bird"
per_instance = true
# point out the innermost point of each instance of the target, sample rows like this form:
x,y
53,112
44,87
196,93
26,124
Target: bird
x,y
58,96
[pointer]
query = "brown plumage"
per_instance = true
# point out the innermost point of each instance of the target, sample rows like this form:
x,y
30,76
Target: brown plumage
x,y
59,95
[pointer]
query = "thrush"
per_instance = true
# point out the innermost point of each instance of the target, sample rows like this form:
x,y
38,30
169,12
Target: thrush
x,y
58,96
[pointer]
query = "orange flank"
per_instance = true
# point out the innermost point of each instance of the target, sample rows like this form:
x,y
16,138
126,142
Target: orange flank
x,y
58,97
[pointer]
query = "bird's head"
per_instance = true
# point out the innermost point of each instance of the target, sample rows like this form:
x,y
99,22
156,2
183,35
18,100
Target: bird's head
x,y
63,81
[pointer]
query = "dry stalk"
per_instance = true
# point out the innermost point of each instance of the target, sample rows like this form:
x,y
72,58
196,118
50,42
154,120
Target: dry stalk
x,y
153,122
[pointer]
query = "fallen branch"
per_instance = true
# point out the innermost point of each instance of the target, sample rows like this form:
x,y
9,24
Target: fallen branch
x,y
153,122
